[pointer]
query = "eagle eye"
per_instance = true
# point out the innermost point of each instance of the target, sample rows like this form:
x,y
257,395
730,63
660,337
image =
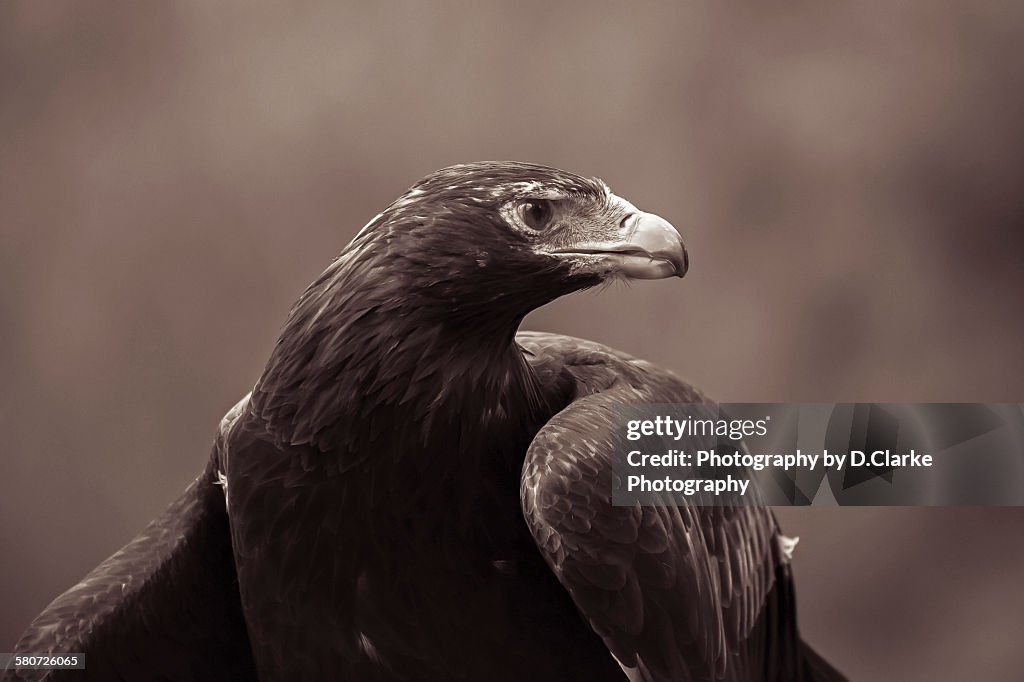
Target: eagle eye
x,y
536,213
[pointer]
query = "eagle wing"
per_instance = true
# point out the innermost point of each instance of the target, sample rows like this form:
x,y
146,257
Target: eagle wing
x,y
167,601
675,592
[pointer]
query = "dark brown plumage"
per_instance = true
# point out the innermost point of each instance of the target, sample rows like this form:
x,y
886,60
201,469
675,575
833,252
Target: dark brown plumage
x,y
416,492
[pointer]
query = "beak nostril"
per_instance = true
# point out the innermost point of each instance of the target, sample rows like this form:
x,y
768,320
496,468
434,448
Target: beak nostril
x,y
625,219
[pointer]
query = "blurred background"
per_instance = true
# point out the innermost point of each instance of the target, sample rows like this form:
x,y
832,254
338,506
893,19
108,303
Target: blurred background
x,y
848,176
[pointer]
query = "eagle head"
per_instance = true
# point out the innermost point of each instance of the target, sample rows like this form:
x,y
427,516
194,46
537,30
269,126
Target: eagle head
x,y
516,235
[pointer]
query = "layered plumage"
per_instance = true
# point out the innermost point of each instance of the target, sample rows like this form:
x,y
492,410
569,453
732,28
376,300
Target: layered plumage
x,y
416,492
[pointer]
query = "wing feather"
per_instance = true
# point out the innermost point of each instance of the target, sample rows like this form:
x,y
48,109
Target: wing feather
x,y
676,592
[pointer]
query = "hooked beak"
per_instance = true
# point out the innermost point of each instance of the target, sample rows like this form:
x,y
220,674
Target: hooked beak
x,y
647,247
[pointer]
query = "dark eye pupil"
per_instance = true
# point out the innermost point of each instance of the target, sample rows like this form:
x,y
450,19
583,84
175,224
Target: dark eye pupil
x,y
536,214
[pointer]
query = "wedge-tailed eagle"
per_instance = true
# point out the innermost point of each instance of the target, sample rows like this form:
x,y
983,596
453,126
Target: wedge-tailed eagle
x,y
415,490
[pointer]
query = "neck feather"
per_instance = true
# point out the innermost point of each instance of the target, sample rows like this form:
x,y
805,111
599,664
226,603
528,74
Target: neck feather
x,y
356,372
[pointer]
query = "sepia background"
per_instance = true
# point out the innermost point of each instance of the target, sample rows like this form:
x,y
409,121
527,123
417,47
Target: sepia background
x,y
848,177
